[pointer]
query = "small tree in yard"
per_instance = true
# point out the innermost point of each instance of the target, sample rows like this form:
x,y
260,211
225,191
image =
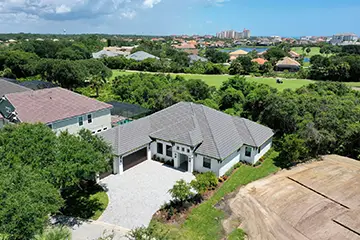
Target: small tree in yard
x,y
181,191
204,181
293,149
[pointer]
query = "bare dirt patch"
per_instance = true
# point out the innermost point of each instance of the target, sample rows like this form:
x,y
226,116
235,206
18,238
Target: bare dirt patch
x,y
318,200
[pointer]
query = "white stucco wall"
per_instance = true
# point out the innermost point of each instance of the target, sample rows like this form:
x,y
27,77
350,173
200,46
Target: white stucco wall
x,y
101,121
264,148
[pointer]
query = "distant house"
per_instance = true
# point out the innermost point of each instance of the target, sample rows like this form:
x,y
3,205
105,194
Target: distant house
x,y
193,136
236,54
194,58
141,55
260,61
105,53
294,55
187,47
288,64
58,108
344,39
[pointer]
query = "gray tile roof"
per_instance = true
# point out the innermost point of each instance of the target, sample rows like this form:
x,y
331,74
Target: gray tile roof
x,y
140,56
194,58
7,87
213,133
105,53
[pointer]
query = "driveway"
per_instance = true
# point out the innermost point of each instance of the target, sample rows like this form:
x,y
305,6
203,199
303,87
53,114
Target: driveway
x,y
139,192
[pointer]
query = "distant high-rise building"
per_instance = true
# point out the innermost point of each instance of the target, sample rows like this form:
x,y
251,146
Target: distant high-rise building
x,y
231,34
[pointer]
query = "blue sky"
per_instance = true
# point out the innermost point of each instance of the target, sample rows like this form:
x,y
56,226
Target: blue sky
x,y
165,17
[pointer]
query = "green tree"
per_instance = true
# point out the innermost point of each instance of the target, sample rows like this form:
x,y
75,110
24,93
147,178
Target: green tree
x,y
308,50
26,202
181,191
56,233
216,56
293,150
198,89
97,82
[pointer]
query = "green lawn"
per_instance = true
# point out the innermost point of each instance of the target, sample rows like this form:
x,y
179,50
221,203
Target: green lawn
x,y
314,51
216,80
204,222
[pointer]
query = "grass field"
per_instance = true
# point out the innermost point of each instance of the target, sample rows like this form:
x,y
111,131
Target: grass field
x,y
216,80
314,51
204,222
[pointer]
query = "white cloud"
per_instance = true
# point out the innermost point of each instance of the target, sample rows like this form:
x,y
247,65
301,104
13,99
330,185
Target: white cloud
x,y
62,9
130,14
218,3
151,3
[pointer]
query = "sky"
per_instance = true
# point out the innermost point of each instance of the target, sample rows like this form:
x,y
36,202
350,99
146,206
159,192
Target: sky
x,y
167,17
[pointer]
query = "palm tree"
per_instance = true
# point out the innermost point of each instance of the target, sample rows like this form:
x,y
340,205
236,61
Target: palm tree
x,y
96,82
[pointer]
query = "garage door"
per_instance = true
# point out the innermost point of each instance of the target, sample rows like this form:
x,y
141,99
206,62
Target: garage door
x,y
134,158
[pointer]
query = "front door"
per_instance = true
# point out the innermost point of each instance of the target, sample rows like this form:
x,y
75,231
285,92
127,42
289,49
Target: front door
x,y
184,161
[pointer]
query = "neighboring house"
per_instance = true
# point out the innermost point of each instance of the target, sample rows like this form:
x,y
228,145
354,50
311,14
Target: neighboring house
x,y
194,58
195,137
188,48
294,55
10,86
236,54
141,55
288,64
260,61
105,53
58,108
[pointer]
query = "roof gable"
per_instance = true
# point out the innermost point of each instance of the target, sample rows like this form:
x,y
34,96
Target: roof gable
x,y
52,104
213,133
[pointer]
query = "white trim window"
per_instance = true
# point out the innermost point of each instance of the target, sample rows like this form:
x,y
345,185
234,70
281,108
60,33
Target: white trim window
x,y
168,150
81,121
207,163
248,151
89,118
160,149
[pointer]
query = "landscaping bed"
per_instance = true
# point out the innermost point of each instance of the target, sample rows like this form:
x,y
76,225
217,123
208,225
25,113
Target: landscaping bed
x,y
204,221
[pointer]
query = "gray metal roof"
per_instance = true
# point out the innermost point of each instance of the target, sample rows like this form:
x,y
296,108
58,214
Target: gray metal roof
x,y
213,133
7,87
140,56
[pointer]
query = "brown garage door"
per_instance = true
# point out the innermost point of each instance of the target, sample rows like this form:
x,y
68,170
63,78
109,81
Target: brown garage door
x,y
134,158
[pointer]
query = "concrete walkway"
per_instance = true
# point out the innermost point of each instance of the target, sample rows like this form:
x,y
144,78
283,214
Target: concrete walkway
x,y
139,192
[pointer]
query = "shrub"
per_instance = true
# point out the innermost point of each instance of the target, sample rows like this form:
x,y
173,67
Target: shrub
x,y
204,181
181,191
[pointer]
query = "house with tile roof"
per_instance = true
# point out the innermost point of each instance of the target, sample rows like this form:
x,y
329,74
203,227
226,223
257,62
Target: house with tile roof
x,y
58,108
288,64
260,61
191,136
234,55
188,48
141,55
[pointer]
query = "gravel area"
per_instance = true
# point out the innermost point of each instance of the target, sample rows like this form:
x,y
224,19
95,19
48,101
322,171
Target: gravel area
x,y
139,192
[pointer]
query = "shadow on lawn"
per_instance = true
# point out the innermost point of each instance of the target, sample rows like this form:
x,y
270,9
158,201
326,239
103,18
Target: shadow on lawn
x,y
79,202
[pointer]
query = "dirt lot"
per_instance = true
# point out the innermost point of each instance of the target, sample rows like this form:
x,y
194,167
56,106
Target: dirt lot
x,y
319,200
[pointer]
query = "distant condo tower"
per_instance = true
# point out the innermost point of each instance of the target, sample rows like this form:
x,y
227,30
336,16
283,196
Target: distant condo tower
x,y
231,34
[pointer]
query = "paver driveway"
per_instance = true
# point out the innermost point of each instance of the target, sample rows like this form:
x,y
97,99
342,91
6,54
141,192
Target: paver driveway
x,y
139,192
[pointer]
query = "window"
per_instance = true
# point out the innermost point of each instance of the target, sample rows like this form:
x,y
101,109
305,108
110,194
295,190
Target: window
x,y
81,121
248,151
159,148
105,128
168,150
177,148
259,149
183,149
188,150
99,130
89,118
207,163
50,126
